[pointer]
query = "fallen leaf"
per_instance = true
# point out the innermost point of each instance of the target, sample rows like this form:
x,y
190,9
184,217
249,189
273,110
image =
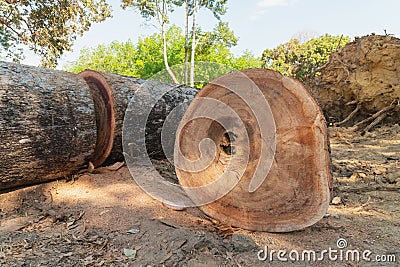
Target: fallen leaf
x,y
169,255
69,254
73,221
133,231
178,244
130,253
13,225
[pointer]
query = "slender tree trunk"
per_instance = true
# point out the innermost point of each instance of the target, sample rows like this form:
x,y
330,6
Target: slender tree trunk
x,y
164,40
186,63
193,43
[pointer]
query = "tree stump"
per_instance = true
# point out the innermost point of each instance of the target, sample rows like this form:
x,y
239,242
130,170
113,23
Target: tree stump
x,y
267,167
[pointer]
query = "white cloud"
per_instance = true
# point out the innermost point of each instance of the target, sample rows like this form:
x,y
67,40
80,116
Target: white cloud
x,y
269,3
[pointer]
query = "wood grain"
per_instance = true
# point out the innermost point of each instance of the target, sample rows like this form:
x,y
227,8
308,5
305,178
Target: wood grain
x,y
296,191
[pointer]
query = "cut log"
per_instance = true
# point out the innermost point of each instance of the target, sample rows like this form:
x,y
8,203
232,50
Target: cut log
x,y
47,124
269,169
115,92
54,123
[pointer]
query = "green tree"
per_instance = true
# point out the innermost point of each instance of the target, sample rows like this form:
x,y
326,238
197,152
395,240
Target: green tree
x,y
192,7
114,58
302,60
160,10
246,61
145,58
214,46
47,27
150,58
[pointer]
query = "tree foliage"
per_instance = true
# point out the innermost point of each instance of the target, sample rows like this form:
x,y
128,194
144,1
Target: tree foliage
x,y
145,58
160,11
47,27
302,60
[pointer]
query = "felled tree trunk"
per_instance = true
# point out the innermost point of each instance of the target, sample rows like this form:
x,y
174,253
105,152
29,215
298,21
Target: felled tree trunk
x,y
113,93
54,123
47,124
268,168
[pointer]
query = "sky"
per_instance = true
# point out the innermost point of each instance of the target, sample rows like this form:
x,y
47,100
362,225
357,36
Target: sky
x,y
259,24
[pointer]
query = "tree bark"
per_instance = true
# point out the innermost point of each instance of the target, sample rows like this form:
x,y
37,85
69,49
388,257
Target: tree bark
x,y
54,123
164,41
193,52
186,63
120,90
47,124
287,148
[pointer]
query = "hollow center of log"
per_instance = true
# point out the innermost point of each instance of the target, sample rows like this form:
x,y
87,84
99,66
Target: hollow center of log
x,y
227,141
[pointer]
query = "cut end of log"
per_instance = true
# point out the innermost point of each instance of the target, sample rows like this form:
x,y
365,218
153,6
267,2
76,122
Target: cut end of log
x,y
105,114
272,172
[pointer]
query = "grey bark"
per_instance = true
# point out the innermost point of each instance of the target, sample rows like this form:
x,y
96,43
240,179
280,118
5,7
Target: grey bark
x,y
123,90
53,123
47,124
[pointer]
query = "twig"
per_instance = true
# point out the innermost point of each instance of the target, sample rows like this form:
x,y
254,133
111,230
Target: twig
x,y
352,114
351,103
340,40
369,189
374,123
376,115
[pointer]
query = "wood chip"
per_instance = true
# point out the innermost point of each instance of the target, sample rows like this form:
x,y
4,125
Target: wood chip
x,y
167,257
115,166
13,225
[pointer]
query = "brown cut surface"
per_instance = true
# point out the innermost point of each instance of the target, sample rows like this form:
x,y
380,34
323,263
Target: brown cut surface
x,y
294,193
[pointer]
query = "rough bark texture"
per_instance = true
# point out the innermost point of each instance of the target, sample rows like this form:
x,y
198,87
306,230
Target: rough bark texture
x,y
47,124
53,123
295,192
116,92
363,77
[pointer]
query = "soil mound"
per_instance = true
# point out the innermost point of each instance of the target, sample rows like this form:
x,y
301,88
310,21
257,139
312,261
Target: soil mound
x,y
361,80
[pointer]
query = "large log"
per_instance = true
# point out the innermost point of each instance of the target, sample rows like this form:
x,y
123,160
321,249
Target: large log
x,y
267,168
47,124
54,123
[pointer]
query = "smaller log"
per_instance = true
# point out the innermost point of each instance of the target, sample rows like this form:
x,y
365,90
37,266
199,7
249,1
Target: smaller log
x,y
112,95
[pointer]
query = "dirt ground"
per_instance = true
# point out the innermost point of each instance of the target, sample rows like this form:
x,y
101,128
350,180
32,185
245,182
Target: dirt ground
x,y
105,219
